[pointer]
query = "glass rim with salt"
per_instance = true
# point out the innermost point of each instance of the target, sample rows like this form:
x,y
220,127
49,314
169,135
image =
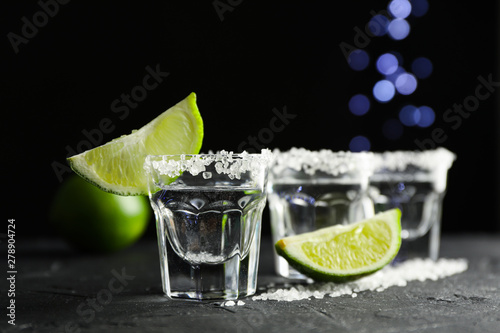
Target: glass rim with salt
x,y
318,165
427,165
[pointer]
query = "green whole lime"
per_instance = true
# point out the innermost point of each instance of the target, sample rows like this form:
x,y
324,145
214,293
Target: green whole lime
x,y
96,221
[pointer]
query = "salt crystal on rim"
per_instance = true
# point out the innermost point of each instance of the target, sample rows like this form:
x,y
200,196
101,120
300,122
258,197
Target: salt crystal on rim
x,y
429,165
228,163
324,160
427,159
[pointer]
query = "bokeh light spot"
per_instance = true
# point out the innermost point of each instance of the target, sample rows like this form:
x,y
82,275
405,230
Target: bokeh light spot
x,y
422,67
406,84
383,91
387,63
398,29
409,115
359,143
359,104
400,8
427,116
378,25
419,7
398,56
358,60
392,77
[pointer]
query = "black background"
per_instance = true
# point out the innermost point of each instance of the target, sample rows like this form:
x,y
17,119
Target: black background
x,y
242,64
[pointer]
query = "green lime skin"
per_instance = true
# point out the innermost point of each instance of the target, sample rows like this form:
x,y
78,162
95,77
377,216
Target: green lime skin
x,y
96,221
317,275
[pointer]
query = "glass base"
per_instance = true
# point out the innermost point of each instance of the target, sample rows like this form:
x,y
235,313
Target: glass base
x,y
229,280
424,247
207,296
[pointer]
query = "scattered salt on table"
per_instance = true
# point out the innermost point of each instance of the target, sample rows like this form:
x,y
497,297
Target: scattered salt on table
x,y
400,275
232,303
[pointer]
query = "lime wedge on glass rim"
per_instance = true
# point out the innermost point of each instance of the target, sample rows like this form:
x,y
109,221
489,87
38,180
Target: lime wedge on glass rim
x,y
117,166
345,252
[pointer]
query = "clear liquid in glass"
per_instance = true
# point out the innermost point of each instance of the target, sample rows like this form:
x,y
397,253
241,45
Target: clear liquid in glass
x,y
209,241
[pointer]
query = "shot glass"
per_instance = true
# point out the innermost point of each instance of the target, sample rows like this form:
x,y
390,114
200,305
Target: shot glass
x,y
414,182
208,211
308,190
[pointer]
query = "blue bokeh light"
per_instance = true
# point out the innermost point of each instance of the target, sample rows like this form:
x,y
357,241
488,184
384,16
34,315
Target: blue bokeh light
x,y
398,56
409,115
358,60
406,84
400,8
359,104
359,143
422,67
398,29
427,116
383,91
378,25
419,7
392,129
387,63
392,77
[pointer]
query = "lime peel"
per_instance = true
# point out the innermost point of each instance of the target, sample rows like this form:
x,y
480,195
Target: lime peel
x,y
117,166
345,252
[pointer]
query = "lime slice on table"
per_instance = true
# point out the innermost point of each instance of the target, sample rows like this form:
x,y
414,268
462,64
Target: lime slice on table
x,y
117,166
345,252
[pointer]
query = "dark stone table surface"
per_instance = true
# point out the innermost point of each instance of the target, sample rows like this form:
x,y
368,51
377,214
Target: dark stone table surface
x,y
55,285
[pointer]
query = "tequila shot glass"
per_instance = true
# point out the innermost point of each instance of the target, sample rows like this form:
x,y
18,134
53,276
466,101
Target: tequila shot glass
x,y
208,210
414,182
308,190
